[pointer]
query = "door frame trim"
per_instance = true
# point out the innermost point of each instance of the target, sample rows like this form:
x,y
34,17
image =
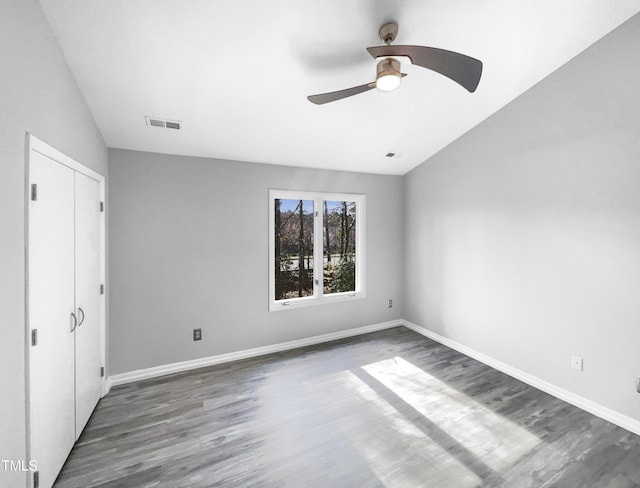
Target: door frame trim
x,y
39,146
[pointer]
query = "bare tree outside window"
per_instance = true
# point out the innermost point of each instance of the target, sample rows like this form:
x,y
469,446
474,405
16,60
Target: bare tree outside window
x,y
340,246
293,248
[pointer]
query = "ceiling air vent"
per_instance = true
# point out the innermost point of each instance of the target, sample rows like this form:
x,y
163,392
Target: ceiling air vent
x,y
164,123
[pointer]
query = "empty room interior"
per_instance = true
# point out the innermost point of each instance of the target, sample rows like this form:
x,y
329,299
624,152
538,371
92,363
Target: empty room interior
x,y
320,244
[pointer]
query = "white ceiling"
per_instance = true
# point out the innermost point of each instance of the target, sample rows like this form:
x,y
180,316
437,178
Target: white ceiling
x,y
237,73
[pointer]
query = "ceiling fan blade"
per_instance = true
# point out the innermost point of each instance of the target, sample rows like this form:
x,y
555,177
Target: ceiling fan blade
x,y
340,94
464,70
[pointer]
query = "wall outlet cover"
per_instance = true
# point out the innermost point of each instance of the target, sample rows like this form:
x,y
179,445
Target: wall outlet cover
x,y
576,363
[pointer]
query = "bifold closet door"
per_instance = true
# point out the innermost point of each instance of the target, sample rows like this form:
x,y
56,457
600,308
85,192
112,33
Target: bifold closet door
x,y
51,320
88,299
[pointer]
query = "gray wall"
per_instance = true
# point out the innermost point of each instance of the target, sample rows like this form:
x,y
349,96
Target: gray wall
x,y
37,94
523,236
189,248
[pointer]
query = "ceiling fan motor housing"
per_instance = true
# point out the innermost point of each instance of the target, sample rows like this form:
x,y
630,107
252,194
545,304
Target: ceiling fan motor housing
x,y
388,66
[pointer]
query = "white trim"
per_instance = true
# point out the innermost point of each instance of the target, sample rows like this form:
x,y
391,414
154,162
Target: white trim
x,y
628,423
590,406
27,319
45,149
142,374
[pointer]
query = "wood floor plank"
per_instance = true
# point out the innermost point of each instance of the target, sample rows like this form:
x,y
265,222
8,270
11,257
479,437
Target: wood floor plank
x,y
389,409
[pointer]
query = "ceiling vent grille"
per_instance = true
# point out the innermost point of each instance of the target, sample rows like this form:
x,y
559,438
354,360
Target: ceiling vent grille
x,y
163,123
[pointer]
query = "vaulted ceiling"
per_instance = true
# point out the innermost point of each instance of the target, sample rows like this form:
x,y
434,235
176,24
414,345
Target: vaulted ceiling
x,y
236,74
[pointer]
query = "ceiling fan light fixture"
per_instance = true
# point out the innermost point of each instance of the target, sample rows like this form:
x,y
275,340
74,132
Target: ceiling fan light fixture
x,y
388,74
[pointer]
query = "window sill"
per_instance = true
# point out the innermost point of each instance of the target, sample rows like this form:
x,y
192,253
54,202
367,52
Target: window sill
x,y
305,302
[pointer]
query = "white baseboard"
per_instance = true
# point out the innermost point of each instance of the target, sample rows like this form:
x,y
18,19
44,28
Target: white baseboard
x,y
143,374
590,406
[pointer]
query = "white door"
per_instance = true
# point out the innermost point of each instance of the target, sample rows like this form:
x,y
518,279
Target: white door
x,y
88,299
51,305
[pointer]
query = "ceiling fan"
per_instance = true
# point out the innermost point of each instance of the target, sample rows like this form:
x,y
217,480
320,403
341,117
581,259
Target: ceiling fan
x,y
464,70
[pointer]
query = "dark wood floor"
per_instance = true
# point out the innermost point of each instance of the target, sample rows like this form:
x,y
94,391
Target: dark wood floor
x,y
388,409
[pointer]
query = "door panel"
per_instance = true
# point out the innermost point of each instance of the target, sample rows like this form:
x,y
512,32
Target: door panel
x,y
88,299
51,302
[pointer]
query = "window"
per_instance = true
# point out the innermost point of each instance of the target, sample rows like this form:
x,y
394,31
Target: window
x,y
316,248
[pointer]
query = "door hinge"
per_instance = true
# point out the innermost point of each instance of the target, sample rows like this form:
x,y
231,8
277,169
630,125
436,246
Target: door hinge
x,y
101,289
36,479
102,206
34,192
101,371
34,337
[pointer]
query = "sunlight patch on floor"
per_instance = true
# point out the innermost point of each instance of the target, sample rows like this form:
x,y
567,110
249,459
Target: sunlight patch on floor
x,y
495,440
396,450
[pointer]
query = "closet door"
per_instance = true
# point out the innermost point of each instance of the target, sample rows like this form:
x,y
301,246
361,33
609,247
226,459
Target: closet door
x,y
51,322
88,299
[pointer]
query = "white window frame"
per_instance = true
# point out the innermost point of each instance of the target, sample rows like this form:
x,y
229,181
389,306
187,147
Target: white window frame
x,y
318,297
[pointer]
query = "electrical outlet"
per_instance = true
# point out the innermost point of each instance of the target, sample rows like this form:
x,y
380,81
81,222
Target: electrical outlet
x,y
390,303
197,334
576,362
